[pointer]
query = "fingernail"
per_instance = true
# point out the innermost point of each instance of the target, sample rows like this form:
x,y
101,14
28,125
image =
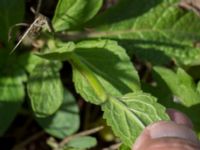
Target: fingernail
x,y
171,129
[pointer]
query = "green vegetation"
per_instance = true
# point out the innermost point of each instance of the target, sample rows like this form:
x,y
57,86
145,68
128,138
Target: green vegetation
x,y
103,48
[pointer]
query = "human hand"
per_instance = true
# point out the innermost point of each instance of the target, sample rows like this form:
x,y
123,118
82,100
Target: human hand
x,y
169,135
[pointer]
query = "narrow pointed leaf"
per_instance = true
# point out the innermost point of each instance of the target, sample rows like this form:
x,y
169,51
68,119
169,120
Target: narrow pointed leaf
x,y
181,85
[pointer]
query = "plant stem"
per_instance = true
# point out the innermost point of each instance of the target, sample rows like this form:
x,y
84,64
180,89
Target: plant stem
x,y
113,147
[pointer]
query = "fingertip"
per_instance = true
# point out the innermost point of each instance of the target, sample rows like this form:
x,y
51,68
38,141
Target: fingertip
x,y
164,129
171,129
179,118
142,140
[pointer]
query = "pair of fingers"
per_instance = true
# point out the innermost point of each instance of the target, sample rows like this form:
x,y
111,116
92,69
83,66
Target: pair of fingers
x,y
169,135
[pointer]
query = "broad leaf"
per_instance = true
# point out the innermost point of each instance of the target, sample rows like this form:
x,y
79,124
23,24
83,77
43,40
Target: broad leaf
x,y
65,121
12,95
45,89
198,86
57,50
156,30
181,85
73,13
82,142
165,95
11,12
28,61
130,114
124,147
102,67
160,91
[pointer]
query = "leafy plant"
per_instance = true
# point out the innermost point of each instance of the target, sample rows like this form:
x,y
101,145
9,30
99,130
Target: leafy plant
x,y
100,46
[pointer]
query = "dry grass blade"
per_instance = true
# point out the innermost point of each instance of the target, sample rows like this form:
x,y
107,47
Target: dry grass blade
x,y
14,26
24,35
40,22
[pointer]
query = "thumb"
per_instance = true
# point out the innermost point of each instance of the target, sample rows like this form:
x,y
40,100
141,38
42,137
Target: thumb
x,y
165,134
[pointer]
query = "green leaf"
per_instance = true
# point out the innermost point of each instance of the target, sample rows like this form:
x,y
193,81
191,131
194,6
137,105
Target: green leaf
x,y
12,95
28,61
57,50
102,67
157,26
82,142
73,13
160,91
167,100
11,12
3,58
124,147
198,86
181,85
130,114
45,89
194,71
65,121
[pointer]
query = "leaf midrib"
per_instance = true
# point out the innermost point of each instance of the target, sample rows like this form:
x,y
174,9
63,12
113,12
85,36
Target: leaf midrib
x,y
99,71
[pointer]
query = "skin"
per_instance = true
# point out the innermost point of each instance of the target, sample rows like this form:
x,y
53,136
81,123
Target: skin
x,y
193,5
169,135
